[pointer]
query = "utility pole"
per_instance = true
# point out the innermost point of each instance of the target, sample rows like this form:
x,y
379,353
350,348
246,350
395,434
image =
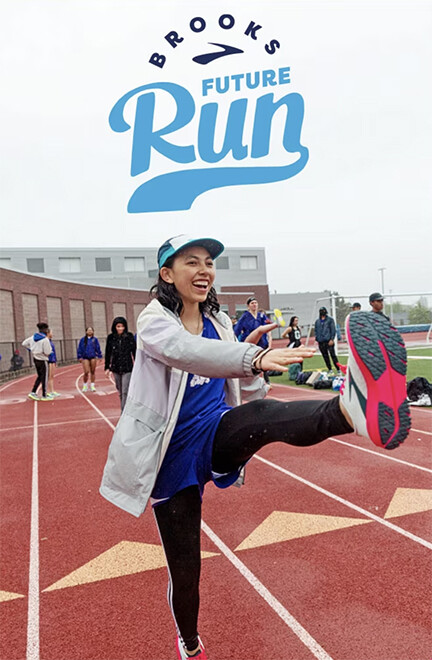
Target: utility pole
x,y
382,283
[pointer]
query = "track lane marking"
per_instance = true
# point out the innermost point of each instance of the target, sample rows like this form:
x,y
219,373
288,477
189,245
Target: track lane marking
x,y
341,500
351,505
292,623
99,412
72,421
420,431
370,451
275,604
13,381
380,455
33,641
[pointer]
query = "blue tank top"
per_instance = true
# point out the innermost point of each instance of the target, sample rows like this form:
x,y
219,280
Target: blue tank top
x,y
187,461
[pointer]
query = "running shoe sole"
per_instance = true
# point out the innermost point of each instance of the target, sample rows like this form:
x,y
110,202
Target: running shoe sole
x,y
380,355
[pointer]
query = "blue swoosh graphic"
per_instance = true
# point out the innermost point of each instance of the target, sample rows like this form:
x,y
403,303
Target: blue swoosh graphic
x,y
176,191
209,57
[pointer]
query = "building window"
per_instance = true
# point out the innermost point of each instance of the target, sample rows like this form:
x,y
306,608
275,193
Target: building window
x,y
134,264
248,263
153,273
222,263
35,266
5,262
69,264
103,264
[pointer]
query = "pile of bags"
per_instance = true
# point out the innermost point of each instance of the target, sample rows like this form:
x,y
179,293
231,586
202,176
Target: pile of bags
x,y
319,380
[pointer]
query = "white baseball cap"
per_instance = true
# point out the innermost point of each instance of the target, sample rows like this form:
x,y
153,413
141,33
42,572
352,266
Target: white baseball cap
x,y
177,243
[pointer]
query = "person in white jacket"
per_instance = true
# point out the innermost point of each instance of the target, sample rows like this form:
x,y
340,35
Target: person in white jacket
x,y
40,348
183,425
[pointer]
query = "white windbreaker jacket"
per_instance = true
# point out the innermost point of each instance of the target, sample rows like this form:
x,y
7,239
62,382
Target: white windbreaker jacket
x,y
166,353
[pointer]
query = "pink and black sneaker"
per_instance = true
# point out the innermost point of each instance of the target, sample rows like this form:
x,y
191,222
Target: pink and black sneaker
x,y
182,655
374,392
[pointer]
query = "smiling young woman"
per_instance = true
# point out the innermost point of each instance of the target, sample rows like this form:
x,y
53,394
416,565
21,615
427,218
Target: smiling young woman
x,y
184,423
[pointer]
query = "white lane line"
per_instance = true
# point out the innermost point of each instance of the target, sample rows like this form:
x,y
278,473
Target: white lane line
x,y
370,451
13,381
304,636
99,412
359,509
276,606
420,431
381,455
33,589
60,422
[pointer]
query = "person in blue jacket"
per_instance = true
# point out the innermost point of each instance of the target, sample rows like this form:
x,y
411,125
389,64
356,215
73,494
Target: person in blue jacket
x,y
325,332
89,352
251,319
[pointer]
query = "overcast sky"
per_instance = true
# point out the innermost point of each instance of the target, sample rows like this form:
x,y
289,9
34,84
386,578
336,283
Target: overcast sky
x,y
362,202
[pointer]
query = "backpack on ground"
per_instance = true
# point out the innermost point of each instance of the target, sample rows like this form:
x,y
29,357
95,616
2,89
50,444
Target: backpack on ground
x,y
302,377
419,391
323,384
293,371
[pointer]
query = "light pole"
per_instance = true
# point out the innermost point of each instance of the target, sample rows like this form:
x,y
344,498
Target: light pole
x,y
382,279
382,282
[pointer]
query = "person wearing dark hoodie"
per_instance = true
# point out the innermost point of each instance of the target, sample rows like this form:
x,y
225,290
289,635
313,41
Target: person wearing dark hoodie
x,y
120,356
40,348
325,332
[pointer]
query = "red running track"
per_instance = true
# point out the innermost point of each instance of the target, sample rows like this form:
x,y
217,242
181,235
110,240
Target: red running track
x,y
324,553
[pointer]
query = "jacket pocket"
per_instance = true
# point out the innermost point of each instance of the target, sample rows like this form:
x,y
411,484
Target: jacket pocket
x,y
133,456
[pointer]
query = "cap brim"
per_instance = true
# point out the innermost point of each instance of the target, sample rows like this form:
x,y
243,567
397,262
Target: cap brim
x,y
178,243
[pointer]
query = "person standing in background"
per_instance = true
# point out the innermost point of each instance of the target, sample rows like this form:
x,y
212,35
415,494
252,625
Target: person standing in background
x,y
251,319
293,332
325,332
120,356
376,301
88,353
52,362
40,348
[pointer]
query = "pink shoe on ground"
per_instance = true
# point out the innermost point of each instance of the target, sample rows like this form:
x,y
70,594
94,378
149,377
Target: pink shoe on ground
x,y
182,655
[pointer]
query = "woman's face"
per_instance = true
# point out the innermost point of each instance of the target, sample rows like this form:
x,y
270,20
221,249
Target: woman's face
x,y
49,334
295,321
192,274
120,328
89,332
253,306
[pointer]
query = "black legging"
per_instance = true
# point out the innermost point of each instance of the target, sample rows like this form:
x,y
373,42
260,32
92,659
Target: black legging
x,y
241,433
325,350
42,375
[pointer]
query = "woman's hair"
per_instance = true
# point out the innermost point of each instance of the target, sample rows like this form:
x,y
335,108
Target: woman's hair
x,y
86,335
169,297
43,327
292,321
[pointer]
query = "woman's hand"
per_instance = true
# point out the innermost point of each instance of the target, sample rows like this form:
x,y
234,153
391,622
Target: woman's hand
x,y
278,358
255,335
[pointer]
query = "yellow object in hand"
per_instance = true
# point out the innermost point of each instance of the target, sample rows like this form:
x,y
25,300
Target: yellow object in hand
x,y
278,317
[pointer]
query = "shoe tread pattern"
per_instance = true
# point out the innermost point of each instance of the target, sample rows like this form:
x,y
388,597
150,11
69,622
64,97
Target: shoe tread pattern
x,y
368,331
404,419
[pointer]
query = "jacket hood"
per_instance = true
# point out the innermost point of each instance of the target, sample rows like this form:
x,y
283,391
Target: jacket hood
x,y
38,336
119,319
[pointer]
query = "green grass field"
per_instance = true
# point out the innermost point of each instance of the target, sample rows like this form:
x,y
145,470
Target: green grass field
x,y
415,367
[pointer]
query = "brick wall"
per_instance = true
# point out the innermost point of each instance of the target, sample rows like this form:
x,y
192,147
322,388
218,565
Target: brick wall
x,y
27,299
